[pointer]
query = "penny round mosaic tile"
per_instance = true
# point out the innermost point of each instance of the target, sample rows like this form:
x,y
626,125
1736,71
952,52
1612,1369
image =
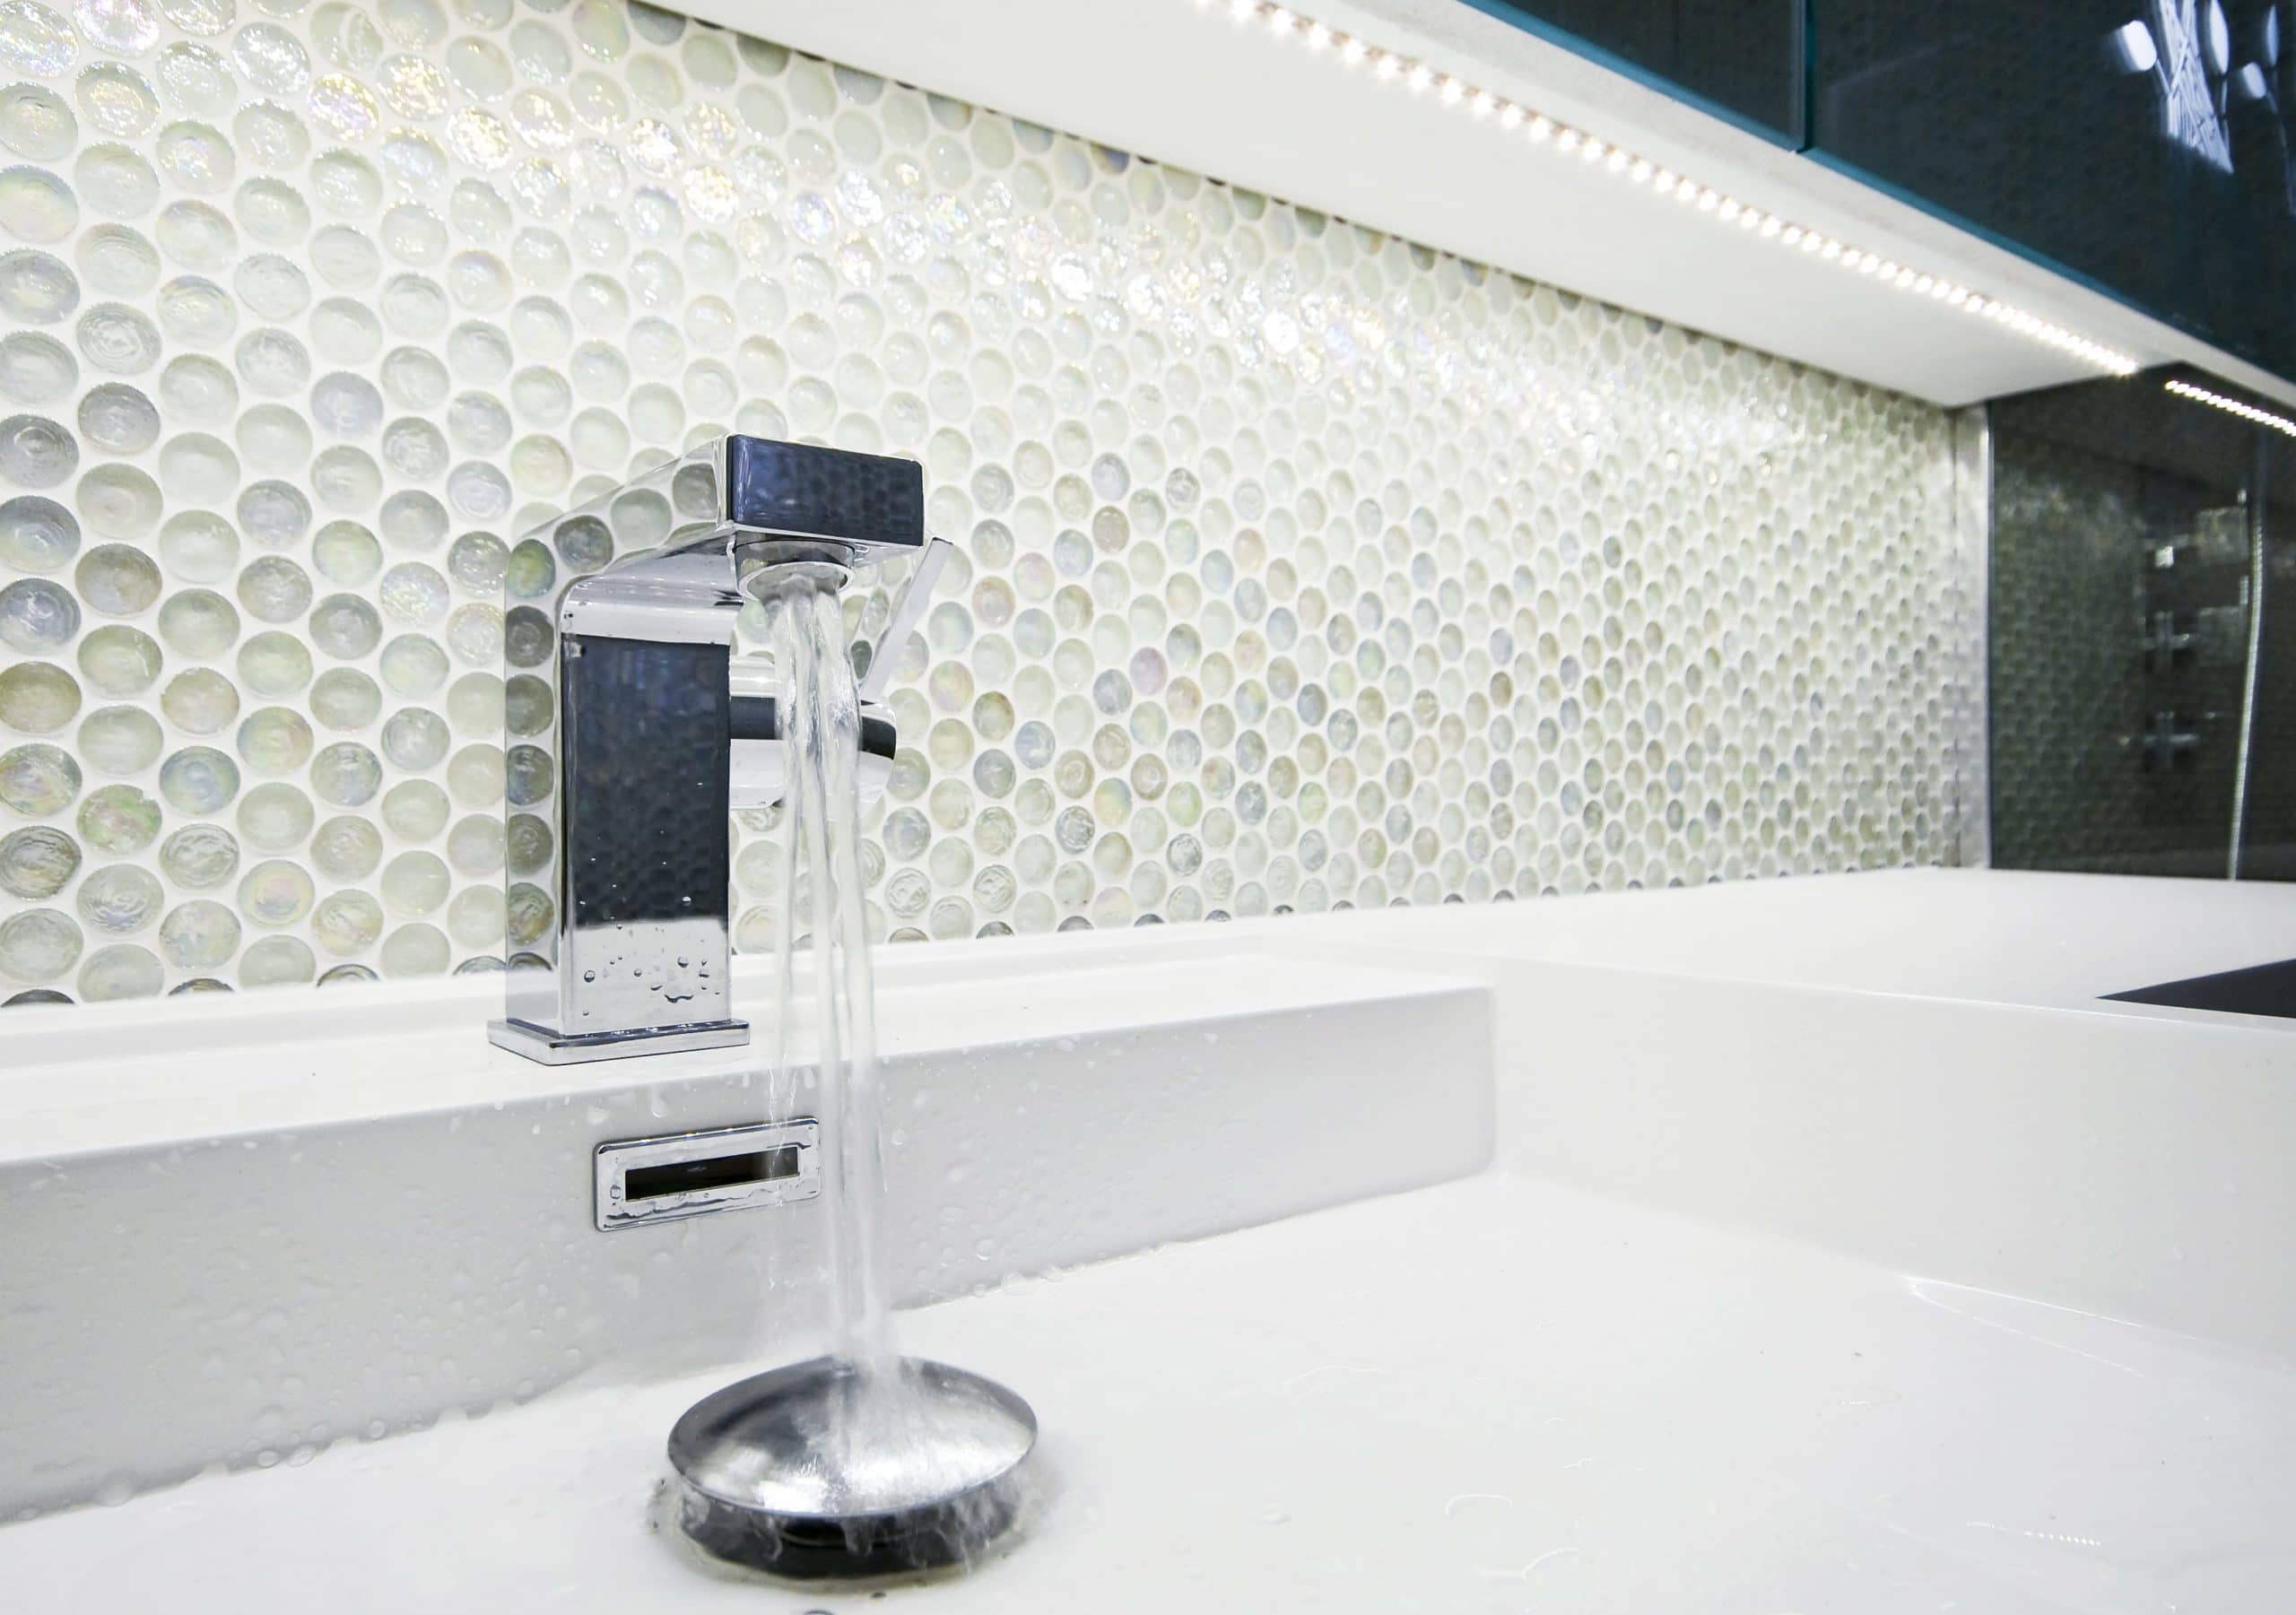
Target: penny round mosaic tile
x,y
1300,565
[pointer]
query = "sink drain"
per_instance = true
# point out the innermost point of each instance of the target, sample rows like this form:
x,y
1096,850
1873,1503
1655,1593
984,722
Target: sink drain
x,y
823,1470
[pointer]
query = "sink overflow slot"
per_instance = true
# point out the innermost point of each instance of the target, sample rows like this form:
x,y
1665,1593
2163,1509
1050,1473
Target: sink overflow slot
x,y
646,1180
719,1172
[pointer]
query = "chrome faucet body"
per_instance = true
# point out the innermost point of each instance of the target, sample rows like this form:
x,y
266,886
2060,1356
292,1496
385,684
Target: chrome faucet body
x,y
621,940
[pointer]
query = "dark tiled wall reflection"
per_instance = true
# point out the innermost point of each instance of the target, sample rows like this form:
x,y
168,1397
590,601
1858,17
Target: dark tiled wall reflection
x,y
2120,638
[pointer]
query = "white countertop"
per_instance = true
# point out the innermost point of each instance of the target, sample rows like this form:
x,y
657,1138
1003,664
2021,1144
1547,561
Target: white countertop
x,y
1490,1396
90,1078
2039,940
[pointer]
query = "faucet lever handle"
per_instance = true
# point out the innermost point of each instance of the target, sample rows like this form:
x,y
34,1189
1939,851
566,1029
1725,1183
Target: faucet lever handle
x,y
908,610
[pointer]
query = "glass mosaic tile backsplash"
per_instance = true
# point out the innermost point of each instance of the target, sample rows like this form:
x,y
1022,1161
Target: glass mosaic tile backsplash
x,y
1301,566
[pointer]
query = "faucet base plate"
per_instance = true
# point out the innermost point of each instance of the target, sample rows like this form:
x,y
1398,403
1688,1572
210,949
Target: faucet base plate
x,y
570,1048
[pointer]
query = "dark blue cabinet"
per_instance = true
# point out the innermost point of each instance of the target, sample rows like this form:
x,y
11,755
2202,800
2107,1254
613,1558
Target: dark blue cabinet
x,y
2140,145
1742,59
2146,147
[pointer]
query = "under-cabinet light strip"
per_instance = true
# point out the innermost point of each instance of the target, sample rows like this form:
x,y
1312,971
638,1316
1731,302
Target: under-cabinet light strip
x,y
2232,406
1537,129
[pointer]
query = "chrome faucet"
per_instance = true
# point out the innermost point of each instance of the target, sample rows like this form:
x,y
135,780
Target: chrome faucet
x,y
624,942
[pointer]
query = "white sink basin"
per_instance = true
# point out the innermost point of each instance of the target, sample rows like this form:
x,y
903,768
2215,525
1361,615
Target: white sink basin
x,y
1493,1396
1786,1290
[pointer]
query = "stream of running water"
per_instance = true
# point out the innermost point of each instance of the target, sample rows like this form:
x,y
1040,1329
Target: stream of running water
x,y
822,889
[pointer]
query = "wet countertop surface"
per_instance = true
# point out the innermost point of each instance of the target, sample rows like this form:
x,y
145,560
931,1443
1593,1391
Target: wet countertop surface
x,y
1496,1395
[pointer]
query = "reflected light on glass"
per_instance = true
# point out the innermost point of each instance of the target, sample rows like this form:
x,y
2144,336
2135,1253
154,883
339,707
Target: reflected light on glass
x,y
2233,406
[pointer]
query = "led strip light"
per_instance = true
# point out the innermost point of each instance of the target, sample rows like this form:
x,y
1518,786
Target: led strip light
x,y
2232,406
1388,67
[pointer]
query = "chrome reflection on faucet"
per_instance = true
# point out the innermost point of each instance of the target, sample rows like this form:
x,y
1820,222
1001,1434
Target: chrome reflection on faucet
x,y
623,940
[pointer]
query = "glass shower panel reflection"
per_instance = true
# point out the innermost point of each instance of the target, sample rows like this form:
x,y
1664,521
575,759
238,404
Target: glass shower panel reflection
x,y
2120,632
2268,828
